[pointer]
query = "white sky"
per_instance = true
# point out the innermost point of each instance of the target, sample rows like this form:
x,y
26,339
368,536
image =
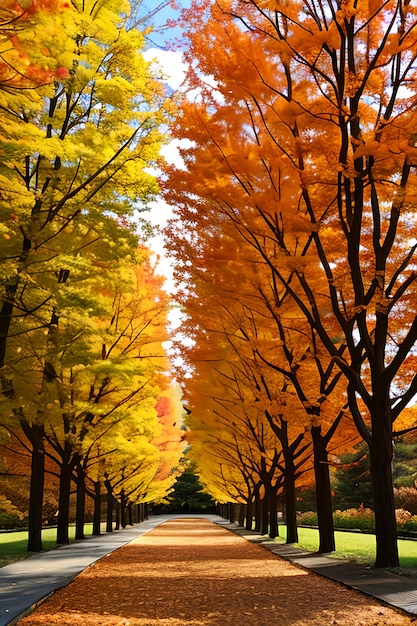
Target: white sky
x,y
173,70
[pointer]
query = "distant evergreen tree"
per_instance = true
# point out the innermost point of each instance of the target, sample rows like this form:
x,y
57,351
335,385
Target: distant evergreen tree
x,y
188,496
352,486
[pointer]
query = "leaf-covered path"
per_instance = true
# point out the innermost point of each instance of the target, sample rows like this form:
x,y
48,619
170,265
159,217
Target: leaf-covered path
x,y
192,572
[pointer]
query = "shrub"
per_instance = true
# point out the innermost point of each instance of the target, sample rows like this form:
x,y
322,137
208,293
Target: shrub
x,y
406,498
309,518
355,519
361,519
10,516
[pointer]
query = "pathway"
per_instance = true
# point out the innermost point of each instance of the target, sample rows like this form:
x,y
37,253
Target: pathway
x,y
191,572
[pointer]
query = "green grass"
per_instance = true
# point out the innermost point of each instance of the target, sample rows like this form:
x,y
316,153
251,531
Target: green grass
x,y
13,545
358,547
355,546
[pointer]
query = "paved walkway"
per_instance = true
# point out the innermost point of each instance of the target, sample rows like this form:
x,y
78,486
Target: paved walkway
x,y
396,591
25,583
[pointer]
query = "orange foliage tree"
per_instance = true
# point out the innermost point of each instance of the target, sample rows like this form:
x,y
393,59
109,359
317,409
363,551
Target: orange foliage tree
x,y
25,62
302,136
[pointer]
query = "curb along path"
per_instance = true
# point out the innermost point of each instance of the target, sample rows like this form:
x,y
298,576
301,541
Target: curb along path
x,y
191,572
396,591
24,583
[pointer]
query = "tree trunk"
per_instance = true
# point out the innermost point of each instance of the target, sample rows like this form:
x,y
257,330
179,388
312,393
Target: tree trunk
x,y
385,523
80,507
123,509
273,514
242,511
258,513
249,514
37,481
129,514
97,508
323,492
118,515
109,507
289,495
265,514
62,536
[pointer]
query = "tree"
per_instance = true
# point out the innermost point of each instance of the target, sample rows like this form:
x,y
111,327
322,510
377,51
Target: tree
x,y
73,166
247,399
187,495
24,65
306,143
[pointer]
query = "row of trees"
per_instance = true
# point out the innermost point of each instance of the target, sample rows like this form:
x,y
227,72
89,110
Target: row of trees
x,y
84,377
295,236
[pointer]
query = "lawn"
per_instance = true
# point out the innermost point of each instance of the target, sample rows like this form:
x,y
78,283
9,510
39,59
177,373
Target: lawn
x,y
13,545
358,547
355,546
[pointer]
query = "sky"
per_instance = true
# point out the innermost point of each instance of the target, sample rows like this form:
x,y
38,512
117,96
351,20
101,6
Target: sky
x,y
166,35
162,50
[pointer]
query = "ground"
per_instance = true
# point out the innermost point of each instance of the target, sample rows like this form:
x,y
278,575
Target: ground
x,y
192,572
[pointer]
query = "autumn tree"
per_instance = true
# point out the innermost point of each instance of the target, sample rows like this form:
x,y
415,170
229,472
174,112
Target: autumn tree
x,y
73,166
303,137
250,398
23,65
264,333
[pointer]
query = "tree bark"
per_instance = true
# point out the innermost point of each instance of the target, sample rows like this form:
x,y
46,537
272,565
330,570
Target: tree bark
x,y
109,507
242,511
62,536
37,482
273,514
265,513
323,492
117,508
385,523
289,495
258,513
80,506
249,513
97,509
123,509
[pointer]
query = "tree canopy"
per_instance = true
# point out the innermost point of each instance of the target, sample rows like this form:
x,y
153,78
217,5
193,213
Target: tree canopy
x,y
84,374
301,138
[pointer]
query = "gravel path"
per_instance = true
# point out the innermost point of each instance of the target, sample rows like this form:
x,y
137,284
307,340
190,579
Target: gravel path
x,y
192,572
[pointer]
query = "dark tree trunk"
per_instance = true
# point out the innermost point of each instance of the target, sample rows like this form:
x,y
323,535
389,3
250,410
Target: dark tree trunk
x,y
258,513
385,523
123,509
62,536
109,507
129,514
273,514
242,511
97,508
323,492
80,506
37,480
265,514
118,514
249,514
289,495
145,510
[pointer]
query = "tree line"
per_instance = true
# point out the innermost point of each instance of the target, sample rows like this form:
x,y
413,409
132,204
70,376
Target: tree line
x,y
87,397
295,242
